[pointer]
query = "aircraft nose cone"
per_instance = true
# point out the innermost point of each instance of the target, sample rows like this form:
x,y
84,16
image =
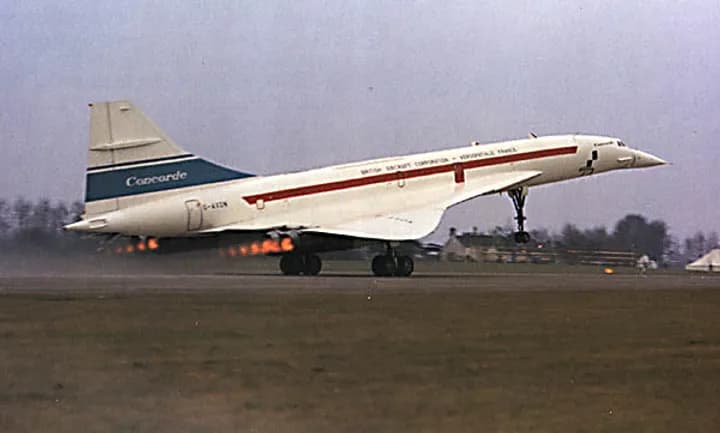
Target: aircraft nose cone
x,y
644,159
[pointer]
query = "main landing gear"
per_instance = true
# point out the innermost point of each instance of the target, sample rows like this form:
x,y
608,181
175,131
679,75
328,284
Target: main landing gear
x,y
391,264
300,264
518,196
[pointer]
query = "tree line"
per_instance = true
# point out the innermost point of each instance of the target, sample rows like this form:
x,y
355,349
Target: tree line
x,y
632,233
27,225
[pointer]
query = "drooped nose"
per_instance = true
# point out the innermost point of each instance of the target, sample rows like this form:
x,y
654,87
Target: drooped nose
x,y
644,159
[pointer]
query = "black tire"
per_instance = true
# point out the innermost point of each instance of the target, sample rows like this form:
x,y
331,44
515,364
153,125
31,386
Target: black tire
x,y
291,264
313,264
522,237
405,266
383,266
377,266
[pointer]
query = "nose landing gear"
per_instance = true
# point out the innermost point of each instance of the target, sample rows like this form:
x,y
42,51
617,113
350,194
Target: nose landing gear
x,y
518,196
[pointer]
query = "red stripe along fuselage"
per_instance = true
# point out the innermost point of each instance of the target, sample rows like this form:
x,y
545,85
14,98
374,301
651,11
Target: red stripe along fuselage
x,y
282,194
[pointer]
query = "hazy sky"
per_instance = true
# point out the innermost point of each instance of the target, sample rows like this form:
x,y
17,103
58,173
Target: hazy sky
x,y
269,87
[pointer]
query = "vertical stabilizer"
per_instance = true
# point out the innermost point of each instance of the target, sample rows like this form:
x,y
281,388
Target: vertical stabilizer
x,y
120,133
130,157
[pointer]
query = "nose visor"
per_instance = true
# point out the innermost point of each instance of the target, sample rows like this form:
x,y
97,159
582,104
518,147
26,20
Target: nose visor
x,y
644,159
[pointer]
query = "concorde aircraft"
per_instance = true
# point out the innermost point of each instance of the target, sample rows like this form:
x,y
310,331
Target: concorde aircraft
x,y
139,183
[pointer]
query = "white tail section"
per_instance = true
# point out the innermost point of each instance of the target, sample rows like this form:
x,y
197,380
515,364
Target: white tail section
x,y
120,133
131,160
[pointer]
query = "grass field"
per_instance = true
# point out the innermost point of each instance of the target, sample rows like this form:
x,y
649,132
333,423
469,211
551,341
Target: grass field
x,y
266,354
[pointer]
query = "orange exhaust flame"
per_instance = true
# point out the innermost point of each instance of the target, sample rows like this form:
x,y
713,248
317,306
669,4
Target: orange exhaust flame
x,y
270,246
255,249
267,246
140,246
286,245
153,244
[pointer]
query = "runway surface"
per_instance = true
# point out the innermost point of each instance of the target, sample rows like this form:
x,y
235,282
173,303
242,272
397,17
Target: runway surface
x,y
348,282
215,352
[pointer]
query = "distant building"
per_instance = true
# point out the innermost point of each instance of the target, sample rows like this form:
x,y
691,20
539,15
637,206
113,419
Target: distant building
x,y
454,250
478,247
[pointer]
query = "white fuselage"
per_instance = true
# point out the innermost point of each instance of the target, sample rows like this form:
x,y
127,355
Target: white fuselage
x,y
331,195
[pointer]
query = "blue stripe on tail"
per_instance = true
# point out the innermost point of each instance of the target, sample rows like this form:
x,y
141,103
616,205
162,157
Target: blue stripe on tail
x,y
140,180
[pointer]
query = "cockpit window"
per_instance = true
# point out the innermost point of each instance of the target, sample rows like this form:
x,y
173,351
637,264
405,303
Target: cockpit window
x,y
621,144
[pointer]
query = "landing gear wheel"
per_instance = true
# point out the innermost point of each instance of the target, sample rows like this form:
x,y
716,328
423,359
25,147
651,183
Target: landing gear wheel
x,y
291,264
518,197
405,266
313,264
296,264
392,265
522,237
383,266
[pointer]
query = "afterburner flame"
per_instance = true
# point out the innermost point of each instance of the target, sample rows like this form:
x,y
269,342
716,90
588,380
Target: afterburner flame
x,y
286,245
153,244
267,246
141,246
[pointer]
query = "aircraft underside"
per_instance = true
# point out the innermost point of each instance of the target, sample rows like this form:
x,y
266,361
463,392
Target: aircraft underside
x,y
298,251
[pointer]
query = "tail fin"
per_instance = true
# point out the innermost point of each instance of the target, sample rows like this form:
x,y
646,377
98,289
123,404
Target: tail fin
x,y
129,157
